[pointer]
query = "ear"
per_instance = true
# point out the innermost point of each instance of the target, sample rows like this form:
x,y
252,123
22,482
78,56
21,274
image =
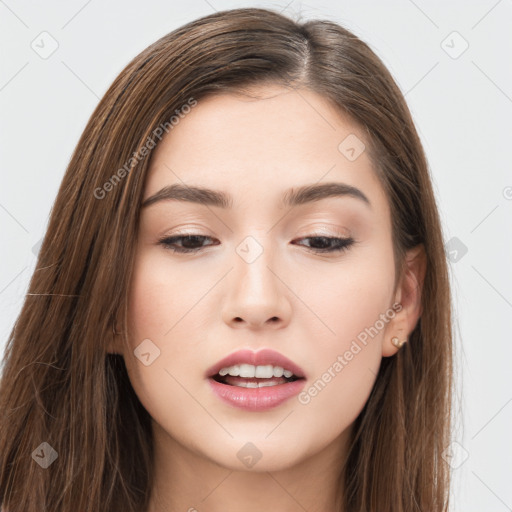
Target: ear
x,y
408,295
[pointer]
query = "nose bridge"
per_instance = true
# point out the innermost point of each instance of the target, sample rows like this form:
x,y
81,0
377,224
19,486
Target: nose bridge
x,y
256,294
254,256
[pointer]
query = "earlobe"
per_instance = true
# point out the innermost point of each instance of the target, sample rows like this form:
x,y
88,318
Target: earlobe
x,y
397,342
396,339
409,295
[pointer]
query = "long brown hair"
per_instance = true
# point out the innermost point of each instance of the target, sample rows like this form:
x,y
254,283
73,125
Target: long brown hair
x,y
60,386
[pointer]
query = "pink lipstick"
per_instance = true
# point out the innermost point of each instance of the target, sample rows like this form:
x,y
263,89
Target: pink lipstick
x,y
255,381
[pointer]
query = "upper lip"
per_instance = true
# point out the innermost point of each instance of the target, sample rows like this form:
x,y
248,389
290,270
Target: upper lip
x,y
260,358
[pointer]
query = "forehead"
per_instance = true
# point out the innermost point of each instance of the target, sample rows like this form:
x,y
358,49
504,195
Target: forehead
x,y
256,147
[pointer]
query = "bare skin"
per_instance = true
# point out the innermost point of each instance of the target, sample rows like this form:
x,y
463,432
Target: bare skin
x,y
199,307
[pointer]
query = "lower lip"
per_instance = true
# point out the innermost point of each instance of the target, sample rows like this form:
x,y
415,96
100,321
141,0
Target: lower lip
x,y
256,399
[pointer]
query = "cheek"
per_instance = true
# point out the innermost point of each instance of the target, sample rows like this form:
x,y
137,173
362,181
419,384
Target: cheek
x,y
348,299
158,297
160,302
353,312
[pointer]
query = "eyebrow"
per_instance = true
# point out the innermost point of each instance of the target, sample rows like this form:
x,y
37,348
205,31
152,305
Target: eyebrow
x,y
291,197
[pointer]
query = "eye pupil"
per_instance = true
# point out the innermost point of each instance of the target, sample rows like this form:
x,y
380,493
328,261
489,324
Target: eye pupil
x,y
191,238
324,241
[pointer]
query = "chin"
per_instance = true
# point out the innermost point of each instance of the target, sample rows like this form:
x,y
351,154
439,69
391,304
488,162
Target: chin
x,y
257,454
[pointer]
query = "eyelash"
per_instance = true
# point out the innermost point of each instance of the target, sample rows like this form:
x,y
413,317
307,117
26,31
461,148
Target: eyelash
x,y
341,244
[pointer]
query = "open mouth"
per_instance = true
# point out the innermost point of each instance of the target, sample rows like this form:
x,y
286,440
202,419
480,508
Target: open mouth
x,y
253,382
257,387
250,376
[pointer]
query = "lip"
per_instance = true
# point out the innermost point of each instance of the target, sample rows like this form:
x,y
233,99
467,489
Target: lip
x,y
260,358
256,399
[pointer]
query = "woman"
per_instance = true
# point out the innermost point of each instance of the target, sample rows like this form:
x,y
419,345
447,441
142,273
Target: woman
x,y
242,297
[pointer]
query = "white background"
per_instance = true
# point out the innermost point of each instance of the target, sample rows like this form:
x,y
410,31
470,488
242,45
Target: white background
x,y
461,106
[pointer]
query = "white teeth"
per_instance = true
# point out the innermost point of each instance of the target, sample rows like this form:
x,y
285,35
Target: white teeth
x,y
255,384
247,370
264,372
278,371
250,385
232,370
260,372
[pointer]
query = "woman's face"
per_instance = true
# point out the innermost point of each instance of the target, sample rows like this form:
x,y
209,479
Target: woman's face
x,y
256,283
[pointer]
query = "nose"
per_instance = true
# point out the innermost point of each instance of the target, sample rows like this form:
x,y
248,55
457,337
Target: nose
x,y
258,296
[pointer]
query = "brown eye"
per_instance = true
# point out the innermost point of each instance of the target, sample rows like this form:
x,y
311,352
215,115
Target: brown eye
x,y
189,243
322,244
